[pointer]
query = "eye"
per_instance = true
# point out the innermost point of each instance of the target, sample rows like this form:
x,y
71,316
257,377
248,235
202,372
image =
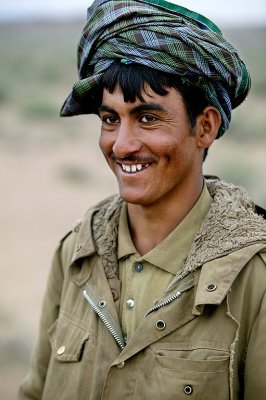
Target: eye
x,y
148,118
109,119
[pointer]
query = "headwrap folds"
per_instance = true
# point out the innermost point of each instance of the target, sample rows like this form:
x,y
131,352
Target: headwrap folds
x,y
163,36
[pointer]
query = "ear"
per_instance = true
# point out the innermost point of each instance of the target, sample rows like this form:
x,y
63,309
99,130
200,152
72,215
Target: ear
x,y
207,126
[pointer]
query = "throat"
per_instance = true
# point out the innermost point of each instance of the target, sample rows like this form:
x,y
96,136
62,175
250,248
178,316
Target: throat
x,y
150,225
146,234
145,244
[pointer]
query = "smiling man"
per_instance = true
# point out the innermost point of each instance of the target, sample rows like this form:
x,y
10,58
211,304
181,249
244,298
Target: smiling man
x,y
159,293
153,149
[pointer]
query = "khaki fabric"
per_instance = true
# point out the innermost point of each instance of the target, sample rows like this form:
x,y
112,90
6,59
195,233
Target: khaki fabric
x,y
144,289
206,338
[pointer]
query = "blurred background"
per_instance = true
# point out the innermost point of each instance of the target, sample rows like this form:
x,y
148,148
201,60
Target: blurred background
x,y
51,168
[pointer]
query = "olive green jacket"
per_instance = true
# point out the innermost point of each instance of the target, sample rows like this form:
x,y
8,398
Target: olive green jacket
x,y
206,338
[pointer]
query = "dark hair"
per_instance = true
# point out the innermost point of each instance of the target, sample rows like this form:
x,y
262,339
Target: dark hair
x,y
132,78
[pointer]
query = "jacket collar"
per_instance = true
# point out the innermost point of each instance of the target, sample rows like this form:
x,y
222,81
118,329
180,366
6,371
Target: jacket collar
x,y
217,276
84,242
96,227
223,232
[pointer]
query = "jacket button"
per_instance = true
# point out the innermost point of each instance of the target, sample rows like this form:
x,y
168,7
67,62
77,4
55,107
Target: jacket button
x,y
121,365
188,389
160,325
211,287
130,303
102,303
61,350
78,247
138,267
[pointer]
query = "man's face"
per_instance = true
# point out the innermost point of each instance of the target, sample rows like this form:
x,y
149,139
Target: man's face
x,y
150,146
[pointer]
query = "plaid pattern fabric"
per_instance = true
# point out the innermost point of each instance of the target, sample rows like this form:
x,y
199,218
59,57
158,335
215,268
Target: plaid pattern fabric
x,y
162,36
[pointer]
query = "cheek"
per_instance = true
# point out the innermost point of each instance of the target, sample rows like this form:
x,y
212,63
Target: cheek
x,y
178,153
170,150
106,143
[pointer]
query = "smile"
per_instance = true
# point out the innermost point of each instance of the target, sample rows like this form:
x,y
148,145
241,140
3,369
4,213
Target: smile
x,y
134,168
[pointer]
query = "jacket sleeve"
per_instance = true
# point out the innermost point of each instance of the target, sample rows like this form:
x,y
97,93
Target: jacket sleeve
x,y
255,366
32,387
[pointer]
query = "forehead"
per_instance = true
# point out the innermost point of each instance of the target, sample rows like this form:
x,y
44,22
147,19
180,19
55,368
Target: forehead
x,y
172,100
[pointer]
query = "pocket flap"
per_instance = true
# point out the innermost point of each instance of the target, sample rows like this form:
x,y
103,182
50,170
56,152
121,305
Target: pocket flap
x,y
67,340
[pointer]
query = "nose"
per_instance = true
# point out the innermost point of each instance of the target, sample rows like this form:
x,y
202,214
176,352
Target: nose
x,y
126,141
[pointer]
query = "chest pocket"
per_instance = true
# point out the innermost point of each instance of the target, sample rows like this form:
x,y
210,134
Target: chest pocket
x,y
200,372
67,338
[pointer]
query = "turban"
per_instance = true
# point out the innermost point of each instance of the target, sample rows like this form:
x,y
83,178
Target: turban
x,y
162,36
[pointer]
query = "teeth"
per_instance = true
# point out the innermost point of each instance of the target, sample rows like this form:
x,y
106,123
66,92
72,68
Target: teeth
x,y
134,168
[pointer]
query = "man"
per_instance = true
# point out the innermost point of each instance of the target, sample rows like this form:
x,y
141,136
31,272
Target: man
x,y
159,293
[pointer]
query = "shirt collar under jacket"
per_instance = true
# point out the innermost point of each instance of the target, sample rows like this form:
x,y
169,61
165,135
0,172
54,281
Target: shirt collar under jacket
x,y
171,252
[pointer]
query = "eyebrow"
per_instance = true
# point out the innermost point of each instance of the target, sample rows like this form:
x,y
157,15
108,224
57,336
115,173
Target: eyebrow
x,y
105,108
147,107
135,110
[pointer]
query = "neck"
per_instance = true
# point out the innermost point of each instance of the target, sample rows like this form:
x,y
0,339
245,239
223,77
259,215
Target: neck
x,y
150,225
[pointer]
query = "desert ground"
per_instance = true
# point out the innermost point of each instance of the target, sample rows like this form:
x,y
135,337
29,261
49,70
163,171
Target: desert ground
x,y
52,170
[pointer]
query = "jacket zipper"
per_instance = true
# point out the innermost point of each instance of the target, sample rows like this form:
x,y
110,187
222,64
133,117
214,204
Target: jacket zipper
x,y
156,307
163,303
175,296
105,320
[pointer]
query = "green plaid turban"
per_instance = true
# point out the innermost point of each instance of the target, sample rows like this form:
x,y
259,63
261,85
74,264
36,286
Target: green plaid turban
x,y
162,36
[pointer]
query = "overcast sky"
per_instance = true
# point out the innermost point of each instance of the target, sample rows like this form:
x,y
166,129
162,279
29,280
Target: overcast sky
x,y
227,12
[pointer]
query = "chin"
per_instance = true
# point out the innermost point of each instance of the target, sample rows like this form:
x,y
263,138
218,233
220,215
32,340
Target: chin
x,y
134,198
